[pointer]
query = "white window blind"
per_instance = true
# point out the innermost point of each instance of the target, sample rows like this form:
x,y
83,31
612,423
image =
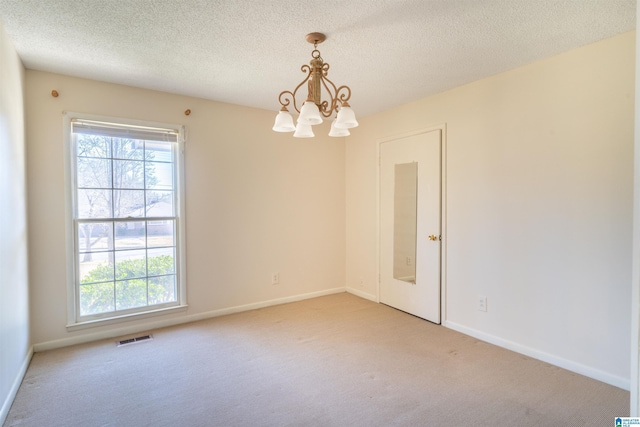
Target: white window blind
x,y
88,127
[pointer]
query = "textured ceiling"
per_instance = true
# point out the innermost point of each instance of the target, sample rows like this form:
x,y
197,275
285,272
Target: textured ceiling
x,y
247,51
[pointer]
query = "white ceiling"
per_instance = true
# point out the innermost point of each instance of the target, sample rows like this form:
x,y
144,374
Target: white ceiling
x,y
247,51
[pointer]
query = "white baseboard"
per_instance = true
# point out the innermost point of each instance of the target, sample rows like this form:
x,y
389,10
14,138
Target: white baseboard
x,y
140,327
578,368
6,405
362,294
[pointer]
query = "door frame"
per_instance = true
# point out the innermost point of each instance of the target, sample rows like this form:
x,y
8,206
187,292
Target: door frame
x,y
442,127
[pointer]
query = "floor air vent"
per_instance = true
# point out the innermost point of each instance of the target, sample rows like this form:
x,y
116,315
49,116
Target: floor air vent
x,y
134,340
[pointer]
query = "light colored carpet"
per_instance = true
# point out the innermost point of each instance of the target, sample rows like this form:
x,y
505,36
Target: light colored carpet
x,y
332,361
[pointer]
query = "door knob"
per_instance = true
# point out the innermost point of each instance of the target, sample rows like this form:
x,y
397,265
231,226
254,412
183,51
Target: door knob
x,y
434,237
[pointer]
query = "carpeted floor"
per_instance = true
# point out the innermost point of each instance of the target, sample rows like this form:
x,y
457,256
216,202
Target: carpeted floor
x,y
332,361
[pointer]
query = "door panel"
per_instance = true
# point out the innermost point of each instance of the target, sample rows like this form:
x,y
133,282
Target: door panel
x,y
419,295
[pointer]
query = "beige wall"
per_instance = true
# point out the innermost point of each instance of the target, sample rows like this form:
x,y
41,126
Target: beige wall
x,y
539,188
14,293
257,201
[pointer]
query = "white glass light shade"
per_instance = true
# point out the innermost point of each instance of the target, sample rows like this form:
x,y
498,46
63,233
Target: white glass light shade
x,y
303,131
346,118
284,122
309,114
337,131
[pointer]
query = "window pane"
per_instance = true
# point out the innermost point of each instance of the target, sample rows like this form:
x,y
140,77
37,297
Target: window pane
x,y
96,298
128,174
162,289
159,203
131,293
159,175
160,233
131,264
128,149
158,151
95,236
130,235
128,203
161,261
94,173
95,267
93,146
94,203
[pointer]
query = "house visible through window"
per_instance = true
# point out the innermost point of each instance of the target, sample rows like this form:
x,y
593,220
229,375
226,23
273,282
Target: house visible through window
x,y
126,218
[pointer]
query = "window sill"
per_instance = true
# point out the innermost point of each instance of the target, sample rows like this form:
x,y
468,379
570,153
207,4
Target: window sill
x,y
125,318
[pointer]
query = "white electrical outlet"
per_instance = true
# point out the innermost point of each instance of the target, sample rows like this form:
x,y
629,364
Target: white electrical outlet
x,y
481,302
408,260
275,278
361,282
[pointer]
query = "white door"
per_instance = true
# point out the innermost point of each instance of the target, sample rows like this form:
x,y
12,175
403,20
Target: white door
x,y
410,269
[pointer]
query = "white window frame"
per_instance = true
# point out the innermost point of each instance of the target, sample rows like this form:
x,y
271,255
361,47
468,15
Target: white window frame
x,y
74,319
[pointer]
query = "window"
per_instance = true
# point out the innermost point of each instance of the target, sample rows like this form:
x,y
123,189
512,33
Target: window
x,y
126,218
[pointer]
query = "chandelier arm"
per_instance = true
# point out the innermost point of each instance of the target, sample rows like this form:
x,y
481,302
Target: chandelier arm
x,y
285,102
324,109
304,68
344,97
325,68
325,79
328,106
335,95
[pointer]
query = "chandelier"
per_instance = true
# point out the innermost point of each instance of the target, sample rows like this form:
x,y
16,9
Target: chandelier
x,y
313,109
